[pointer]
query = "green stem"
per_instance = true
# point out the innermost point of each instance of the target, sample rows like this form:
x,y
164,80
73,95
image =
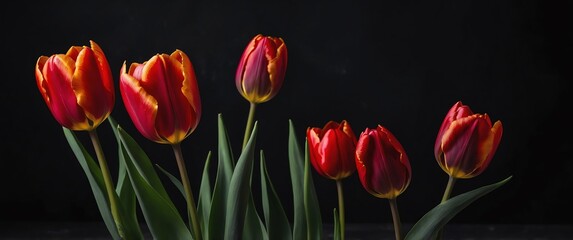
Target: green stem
x,y
396,218
340,208
250,122
188,193
447,193
449,188
109,186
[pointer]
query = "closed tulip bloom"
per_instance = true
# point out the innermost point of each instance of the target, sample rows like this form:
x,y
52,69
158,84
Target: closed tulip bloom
x,y
262,68
77,86
331,149
466,142
162,97
382,163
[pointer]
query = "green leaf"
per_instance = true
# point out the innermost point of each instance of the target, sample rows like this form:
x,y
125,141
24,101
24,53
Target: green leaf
x,y
296,167
254,228
163,219
337,231
314,220
431,223
204,202
222,181
141,162
276,220
239,190
174,180
127,198
95,179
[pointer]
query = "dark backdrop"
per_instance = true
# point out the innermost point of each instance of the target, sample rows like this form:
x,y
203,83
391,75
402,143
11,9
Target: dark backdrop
x,y
401,64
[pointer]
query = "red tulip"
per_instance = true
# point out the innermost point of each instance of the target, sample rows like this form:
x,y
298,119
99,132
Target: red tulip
x,y
382,163
466,142
262,69
77,86
162,97
331,149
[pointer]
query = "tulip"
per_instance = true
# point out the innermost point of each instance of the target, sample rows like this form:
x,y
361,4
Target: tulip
x,y
465,145
78,89
466,142
382,163
260,73
77,86
262,68
162,98
331,151
384,168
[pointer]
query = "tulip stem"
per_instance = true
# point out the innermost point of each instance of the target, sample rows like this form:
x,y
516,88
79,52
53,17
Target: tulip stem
x,y
250,122
340,208
109,186
396,218
188,193
449,188
446,196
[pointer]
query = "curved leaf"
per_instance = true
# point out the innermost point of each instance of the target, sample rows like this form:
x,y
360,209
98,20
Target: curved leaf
x,y
126,193
277,223
239,190
204,202
296,167
221,188
312,208
163,219
431,223
95,179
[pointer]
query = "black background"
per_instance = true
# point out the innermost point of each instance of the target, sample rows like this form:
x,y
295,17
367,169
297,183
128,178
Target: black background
x,y
401,64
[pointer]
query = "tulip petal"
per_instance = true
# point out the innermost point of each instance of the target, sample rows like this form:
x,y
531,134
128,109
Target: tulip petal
x,y
88,84
141,106
58,74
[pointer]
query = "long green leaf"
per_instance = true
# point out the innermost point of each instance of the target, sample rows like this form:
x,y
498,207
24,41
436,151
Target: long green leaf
x,y
142,162
163,219
173,180
312,208
296,167
254,228
240,190
204,202
276,220
95,179
429,225
222,179
126,193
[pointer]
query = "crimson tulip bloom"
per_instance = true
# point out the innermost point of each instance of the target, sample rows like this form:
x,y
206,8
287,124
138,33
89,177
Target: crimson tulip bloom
x,y
262,68
382,164
162,97
466,142
331,149
77,86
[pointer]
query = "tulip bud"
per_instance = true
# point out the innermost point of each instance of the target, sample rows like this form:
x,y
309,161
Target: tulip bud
x,y
466,142
77,86
382,163
162,97
262,69
331,149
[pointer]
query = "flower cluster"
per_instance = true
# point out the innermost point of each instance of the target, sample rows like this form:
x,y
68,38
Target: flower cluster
x,y
163,100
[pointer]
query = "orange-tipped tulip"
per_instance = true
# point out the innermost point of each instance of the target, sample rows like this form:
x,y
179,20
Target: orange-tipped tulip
x,y
262,69
162,97
77,86
382,163
331,149
466,142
